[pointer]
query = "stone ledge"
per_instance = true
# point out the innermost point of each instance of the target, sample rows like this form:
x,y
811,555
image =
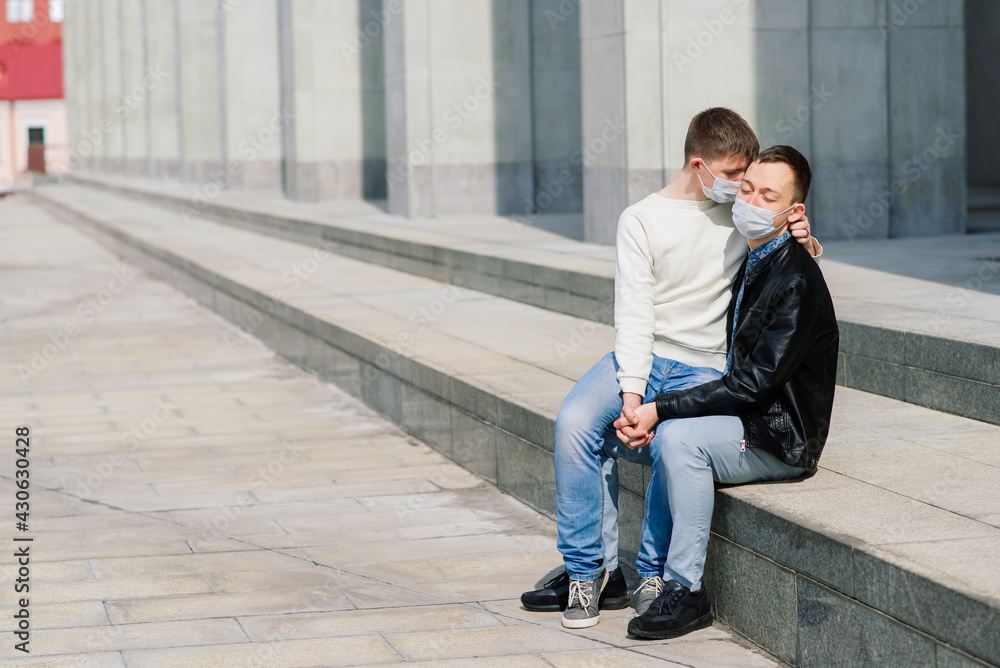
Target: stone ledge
x,y
902,362
492,268
508,440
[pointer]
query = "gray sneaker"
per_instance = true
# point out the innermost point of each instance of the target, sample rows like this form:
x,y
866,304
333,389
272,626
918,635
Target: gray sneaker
x,y
582,610
646,593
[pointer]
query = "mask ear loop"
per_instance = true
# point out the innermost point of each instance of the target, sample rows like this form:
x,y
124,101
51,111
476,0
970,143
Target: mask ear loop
x,y
786,219
705,165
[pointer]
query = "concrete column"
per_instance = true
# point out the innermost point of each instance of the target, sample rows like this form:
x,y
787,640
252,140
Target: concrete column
x,y
458,110
136,86
199,90
73,81
647,68
888,138
253,119
927,119
555,110
785,97
839,120
335,55
162,56
94,57
111,39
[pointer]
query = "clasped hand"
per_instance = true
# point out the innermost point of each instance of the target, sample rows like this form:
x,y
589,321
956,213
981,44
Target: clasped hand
x,y
635,425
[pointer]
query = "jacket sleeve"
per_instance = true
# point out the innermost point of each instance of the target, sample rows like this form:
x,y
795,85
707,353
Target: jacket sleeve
x,y
785,340
635,317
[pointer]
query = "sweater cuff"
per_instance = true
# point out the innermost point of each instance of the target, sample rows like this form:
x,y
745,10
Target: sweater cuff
x,y
817,250
633,385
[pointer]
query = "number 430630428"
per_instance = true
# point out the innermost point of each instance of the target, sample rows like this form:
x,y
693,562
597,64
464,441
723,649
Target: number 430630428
x,y
21,448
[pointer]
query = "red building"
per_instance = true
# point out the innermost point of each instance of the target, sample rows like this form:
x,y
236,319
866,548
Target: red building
x,y
32,110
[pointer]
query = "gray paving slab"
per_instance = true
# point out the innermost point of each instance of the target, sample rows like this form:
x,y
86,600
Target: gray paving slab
x,y
186,547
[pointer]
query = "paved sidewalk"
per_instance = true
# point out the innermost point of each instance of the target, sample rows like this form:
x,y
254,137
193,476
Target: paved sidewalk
x,y
198,501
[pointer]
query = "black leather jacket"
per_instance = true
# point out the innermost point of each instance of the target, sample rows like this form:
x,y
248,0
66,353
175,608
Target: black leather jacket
x,y
784,361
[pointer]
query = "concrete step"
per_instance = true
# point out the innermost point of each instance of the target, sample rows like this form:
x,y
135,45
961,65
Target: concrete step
x,y
919,318
491,254
884,557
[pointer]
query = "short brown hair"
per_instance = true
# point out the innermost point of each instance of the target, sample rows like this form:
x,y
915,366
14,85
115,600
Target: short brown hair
x,y
796,162
719,133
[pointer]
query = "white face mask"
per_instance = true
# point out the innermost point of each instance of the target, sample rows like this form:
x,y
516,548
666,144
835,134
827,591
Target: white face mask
x,y
754,222
722,191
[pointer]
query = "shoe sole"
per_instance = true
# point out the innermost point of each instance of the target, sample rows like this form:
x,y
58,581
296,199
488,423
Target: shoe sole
x,y
581,623
702,622
618,603
542,608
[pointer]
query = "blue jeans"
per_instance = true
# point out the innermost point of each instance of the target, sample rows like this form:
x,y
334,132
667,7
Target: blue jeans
x,y
586,450
690,455
686,455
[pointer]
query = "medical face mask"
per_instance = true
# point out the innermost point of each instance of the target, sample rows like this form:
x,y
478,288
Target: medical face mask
x,y
722,191
754,222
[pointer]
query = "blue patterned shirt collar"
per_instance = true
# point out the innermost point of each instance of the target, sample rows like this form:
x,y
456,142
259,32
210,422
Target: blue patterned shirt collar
x,y
759,253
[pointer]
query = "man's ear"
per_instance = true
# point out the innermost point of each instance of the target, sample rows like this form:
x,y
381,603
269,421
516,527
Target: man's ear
x,y
696,164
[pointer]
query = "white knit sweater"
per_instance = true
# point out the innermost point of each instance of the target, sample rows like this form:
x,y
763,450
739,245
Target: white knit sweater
x,y
675,265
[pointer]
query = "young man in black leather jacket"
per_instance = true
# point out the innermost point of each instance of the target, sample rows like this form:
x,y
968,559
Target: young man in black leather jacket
x,y
768,417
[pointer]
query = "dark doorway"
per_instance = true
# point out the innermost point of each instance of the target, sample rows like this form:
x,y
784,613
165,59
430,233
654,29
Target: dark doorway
x,y
982,47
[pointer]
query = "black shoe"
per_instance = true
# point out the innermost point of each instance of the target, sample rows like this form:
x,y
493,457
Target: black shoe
x,y
554,594
674,613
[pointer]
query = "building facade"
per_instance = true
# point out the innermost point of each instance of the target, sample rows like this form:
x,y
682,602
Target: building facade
x,y
535,107
32,109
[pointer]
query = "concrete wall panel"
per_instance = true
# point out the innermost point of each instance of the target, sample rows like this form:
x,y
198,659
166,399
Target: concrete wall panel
x,y
927,130
199,89
253,101
162,57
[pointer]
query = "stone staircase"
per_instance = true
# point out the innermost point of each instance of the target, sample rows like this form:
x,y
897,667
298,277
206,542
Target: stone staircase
x,y
930,344
470,332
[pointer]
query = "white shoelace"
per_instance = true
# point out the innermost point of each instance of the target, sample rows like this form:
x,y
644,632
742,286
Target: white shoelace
x,y
656,584
576,591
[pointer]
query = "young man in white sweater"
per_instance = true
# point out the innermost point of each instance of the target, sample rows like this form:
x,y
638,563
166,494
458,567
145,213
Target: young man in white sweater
x,y
677,253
